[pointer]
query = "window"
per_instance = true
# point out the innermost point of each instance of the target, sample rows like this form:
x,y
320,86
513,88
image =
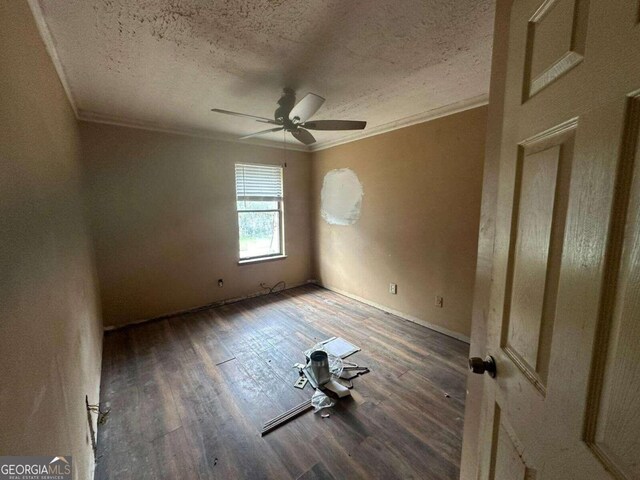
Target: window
x,y
259,201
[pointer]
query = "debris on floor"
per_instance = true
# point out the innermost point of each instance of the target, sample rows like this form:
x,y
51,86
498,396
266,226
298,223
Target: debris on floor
x,y
325,368
346,383
286,416
336,346
320,401
301,382
337,388
306,371
351,373
351,370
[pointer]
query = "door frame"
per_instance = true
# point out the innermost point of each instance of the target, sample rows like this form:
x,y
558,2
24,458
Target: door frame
x,y
486,238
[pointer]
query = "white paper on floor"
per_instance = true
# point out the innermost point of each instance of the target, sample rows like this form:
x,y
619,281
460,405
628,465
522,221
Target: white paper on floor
x,y
339,347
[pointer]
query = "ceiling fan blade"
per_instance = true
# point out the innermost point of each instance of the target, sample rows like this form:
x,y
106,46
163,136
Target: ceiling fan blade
x,y
236,114
306,107
277,129
304,136
335,125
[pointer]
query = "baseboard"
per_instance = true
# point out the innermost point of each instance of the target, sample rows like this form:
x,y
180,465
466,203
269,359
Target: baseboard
x,y
406,316
204,307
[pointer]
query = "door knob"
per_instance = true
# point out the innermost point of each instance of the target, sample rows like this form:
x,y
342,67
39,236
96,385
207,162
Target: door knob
x,y
480,366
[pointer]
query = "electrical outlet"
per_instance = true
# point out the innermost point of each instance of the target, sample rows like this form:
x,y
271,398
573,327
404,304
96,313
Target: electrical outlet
x,y
220,283
393,288
439,301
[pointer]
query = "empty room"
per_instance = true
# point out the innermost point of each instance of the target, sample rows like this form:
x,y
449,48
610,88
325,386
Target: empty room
x,y
258,239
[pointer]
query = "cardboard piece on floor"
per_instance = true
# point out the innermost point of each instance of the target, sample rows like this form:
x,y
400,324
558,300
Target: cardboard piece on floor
x,y
338,347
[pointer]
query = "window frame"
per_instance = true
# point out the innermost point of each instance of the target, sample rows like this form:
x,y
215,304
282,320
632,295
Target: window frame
x,y
280,211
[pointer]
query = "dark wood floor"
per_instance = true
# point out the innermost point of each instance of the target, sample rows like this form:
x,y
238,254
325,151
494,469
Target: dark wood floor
x,y
189,394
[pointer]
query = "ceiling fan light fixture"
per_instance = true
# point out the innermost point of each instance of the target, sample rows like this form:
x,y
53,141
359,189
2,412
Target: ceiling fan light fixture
x,y
292,117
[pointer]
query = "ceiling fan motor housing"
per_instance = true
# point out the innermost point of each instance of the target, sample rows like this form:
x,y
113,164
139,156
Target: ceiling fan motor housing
x,y
286,102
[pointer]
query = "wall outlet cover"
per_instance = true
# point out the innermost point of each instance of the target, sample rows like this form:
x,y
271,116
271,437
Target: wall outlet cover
x,y
393,288
301,382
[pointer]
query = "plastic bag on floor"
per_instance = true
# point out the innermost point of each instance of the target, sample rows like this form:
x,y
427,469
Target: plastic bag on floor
x,y
320,401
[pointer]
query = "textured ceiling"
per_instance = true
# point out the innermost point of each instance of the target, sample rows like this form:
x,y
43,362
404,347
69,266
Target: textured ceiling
x,y
165,63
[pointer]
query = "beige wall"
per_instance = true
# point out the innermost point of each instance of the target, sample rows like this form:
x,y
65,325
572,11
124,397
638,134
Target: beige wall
x,y
50,331
419,220
164,220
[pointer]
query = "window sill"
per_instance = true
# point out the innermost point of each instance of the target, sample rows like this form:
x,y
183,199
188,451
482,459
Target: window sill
x,y
250,261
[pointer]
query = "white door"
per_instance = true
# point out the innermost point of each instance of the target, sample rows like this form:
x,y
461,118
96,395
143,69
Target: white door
x,y
564,320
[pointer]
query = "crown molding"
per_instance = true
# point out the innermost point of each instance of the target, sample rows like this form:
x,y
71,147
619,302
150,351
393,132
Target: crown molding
x,y
47,39
94,117
429,115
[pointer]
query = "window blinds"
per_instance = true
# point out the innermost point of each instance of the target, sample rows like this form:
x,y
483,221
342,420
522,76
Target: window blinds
x,y
258,182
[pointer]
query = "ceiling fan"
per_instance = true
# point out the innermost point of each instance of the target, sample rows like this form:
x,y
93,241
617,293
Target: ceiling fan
x,y
294,118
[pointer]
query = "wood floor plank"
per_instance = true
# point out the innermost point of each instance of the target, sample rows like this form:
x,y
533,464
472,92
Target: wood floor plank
x,y
317,472
190,393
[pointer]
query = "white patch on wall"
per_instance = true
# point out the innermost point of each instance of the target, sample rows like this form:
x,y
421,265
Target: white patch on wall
x,y
341,197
